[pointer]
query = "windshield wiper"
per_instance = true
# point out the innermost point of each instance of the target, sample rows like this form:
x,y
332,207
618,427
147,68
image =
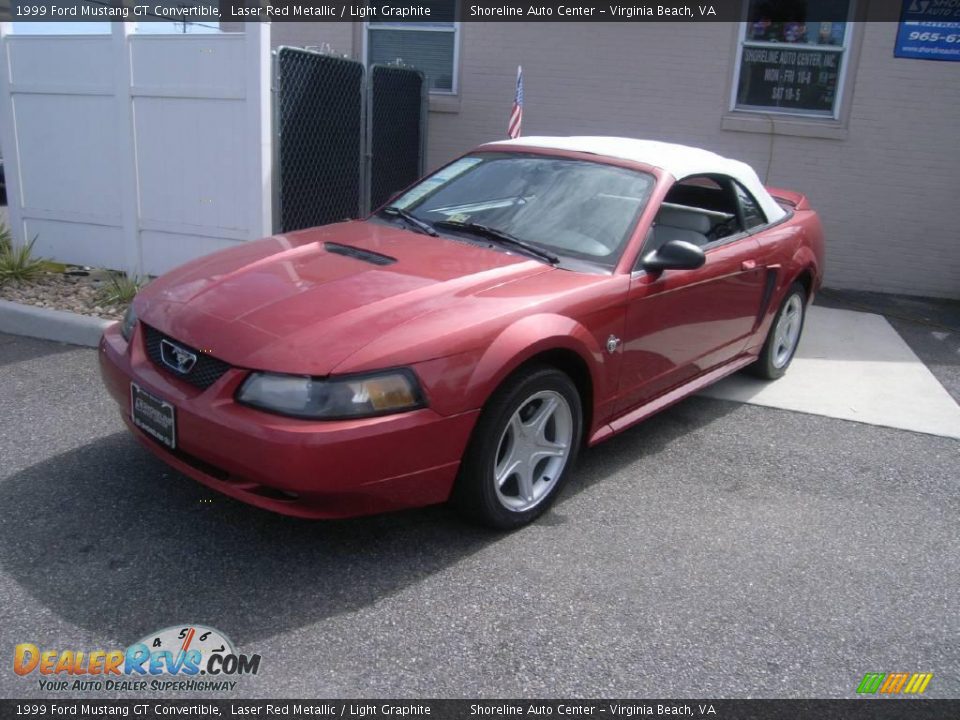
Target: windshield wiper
x,y
412,220
500,236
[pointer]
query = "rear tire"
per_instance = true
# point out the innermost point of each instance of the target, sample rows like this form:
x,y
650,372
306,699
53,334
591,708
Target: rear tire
x,y
520,453
783,337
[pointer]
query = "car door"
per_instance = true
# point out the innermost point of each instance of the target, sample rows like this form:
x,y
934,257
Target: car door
x,y
682,323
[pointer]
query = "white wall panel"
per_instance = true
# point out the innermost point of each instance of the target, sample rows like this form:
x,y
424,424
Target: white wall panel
x,y
77,243
78,64
69,151
165,251
191,158
136,152
195,65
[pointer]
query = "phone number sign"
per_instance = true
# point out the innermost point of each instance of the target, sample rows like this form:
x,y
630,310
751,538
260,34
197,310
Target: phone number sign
x,y
929,30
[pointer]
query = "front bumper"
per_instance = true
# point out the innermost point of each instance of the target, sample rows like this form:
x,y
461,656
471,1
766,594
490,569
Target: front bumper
x,y
328,469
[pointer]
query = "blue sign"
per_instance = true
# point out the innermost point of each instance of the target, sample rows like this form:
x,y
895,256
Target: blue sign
x,y
929,30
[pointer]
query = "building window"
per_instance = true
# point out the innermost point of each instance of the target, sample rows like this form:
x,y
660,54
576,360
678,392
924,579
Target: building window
x,y
789,66
431,47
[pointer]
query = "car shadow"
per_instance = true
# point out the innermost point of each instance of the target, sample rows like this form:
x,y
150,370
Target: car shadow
x,y
17,349
112,540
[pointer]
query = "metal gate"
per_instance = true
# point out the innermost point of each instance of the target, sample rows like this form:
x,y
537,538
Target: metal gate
x,y
396,132
319,151
345,141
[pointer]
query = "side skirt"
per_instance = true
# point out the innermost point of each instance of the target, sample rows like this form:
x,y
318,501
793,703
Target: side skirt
x,y
669,398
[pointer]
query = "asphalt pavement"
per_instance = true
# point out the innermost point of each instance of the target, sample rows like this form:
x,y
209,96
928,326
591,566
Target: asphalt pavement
x,y
716,550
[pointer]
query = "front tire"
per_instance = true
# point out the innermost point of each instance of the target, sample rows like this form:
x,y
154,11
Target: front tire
x,y
784,336
525,441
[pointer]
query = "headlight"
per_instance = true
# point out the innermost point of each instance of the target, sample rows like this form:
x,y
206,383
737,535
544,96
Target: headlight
x,y
129,323
349,396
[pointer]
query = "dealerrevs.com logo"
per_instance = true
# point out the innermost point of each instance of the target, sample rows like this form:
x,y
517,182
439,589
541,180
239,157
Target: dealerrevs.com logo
x,y
187,657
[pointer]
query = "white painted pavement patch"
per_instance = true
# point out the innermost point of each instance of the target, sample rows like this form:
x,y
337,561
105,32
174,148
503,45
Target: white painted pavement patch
x,y
853,366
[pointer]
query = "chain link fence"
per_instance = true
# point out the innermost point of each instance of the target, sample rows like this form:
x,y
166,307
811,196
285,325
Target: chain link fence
x,y
345,141
319,122
396,129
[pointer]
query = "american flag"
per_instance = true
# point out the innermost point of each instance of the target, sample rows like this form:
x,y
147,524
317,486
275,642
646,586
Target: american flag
x,y
516,115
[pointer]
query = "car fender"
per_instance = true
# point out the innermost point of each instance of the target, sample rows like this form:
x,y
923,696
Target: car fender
x,y
802,260
807,256
805,253
526,338
811,253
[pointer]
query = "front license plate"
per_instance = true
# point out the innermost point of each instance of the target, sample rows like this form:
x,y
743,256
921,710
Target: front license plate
x,y
156,417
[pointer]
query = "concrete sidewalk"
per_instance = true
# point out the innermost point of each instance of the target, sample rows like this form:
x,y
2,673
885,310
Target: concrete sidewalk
x,y
853,366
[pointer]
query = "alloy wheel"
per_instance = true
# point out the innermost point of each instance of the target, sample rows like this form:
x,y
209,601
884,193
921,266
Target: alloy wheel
x,y
533,449
787,333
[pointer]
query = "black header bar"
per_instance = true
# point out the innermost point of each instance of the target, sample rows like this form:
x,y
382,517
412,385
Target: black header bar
x,y
441,11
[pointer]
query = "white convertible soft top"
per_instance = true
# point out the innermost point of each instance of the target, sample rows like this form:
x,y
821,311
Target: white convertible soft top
x,y
681,161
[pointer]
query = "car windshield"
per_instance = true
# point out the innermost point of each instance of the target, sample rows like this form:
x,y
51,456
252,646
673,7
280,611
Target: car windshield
x,y
574,209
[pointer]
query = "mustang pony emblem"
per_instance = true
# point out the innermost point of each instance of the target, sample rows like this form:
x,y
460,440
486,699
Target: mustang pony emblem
x,y
177,358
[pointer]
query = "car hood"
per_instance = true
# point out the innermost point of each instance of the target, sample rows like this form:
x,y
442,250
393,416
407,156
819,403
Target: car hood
x,y
304,302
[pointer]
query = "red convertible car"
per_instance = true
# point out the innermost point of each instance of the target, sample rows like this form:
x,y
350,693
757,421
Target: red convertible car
x,y
468,338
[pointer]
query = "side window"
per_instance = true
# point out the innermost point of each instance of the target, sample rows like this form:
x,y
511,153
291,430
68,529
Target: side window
x,y
707,205
752,214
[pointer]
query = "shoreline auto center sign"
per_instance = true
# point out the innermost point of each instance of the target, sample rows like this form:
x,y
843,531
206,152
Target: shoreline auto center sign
x,y
929,30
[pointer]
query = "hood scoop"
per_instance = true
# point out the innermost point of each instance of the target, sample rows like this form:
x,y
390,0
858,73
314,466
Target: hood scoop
x,y
359,254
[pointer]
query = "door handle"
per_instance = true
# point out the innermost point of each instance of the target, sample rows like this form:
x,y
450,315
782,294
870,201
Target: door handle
x,y
748,265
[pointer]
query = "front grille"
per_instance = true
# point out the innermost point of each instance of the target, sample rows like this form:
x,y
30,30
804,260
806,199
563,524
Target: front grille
x,y
205,372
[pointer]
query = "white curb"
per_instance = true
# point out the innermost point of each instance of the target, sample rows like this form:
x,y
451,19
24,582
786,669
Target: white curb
x,y
47,324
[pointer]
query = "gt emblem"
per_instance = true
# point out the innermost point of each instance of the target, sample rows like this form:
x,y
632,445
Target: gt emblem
x,y
177,358
613,342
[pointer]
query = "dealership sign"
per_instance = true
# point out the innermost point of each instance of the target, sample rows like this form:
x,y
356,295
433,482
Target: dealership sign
x,y
929,30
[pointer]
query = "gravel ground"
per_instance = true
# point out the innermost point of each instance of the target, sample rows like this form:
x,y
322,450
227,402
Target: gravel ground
x,y
74,290
716,550
64,291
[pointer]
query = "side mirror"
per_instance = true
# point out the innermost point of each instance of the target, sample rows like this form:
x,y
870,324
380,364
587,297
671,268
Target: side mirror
x,y
674,255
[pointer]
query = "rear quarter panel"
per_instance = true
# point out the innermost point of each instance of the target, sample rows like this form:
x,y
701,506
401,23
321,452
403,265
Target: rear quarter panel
x,y
790,249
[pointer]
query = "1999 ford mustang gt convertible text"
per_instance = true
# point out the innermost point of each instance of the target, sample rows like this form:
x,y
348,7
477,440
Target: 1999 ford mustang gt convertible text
x,y
468,338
